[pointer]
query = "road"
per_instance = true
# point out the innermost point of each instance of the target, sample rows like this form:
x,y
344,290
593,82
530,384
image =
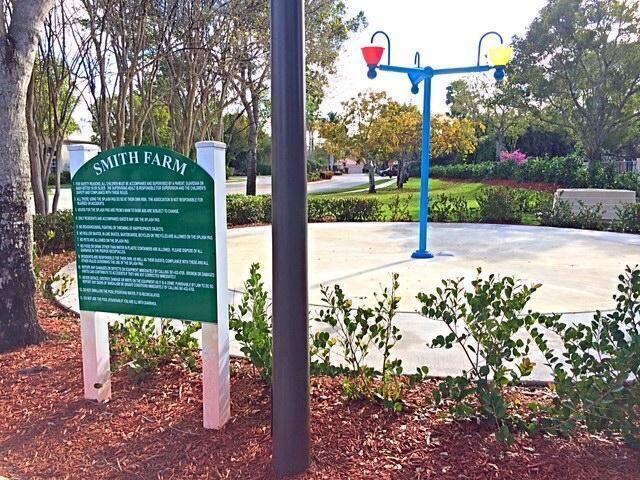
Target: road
x,y
341,182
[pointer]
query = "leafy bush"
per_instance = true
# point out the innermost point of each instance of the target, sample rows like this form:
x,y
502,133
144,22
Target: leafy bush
x,y
252,324
561,214
248,210
399,208
570,171
65,178
141,346
356,333
598,385
448,208
628,218
532,201
499,205
517,157
313,176
53,233
347,209
484,323
589,217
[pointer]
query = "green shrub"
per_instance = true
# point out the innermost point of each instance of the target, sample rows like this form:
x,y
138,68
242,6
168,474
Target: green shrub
x,y
596,381
141,346
628,218
313,176
347,209
589,217
570,171
65,178
251,323
484,323
356,332
532,201
53,233
248,210
560,214
499,205
399,208
448,208
320,210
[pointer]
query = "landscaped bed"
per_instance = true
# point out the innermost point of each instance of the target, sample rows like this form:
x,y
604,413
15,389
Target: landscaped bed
x,y
154,429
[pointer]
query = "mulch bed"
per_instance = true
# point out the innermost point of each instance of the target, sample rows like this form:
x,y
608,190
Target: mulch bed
x,y
154,430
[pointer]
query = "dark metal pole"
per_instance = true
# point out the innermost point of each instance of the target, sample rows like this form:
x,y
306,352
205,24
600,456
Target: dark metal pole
x,y
290,398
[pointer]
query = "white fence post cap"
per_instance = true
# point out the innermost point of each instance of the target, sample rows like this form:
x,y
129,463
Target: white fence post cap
x,y
210,144
83,147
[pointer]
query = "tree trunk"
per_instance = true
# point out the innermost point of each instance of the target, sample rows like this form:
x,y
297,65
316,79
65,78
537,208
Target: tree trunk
x,y
372,177
56,195
18,320
400,175
253,113
37,187
499,145
252,158
593,151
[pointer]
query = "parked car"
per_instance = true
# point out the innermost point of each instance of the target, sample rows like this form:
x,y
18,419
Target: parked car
x,y
390,172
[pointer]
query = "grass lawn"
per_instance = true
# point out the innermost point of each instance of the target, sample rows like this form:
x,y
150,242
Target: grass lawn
x,y
411,190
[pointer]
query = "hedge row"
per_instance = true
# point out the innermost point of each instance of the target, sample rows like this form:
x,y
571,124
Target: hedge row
x,y
243,210
568,172
54,232
509,205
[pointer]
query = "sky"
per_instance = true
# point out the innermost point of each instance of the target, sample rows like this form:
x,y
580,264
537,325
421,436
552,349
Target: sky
x,y
445,32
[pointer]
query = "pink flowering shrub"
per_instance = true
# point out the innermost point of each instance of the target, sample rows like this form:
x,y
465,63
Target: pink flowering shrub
x,y
517,157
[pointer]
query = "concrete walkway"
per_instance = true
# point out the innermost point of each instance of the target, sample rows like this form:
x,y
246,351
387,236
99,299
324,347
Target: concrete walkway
x,y
578,270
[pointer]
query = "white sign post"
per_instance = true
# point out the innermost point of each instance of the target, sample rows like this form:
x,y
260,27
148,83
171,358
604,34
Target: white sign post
x,y
96,364
216,399
215,336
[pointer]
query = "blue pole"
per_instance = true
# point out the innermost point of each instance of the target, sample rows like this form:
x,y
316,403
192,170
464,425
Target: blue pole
x,y
425,162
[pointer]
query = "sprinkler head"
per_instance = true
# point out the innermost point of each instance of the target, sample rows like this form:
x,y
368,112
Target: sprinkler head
x,y
414,89
499,74
372,73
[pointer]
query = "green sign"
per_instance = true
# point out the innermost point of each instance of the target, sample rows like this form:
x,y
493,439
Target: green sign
x,y
145,235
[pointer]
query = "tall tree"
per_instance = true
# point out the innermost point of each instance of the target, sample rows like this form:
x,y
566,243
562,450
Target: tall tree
x,y
399,126
366,143
251,80
52,97
454,137
127,41
335,135
20,21
496,106
579,68
328,26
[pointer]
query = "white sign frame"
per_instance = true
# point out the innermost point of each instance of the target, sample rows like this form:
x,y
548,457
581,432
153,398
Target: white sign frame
x,y
96,362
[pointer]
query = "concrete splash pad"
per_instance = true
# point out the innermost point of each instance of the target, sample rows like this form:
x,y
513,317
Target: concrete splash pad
x,y
577,268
